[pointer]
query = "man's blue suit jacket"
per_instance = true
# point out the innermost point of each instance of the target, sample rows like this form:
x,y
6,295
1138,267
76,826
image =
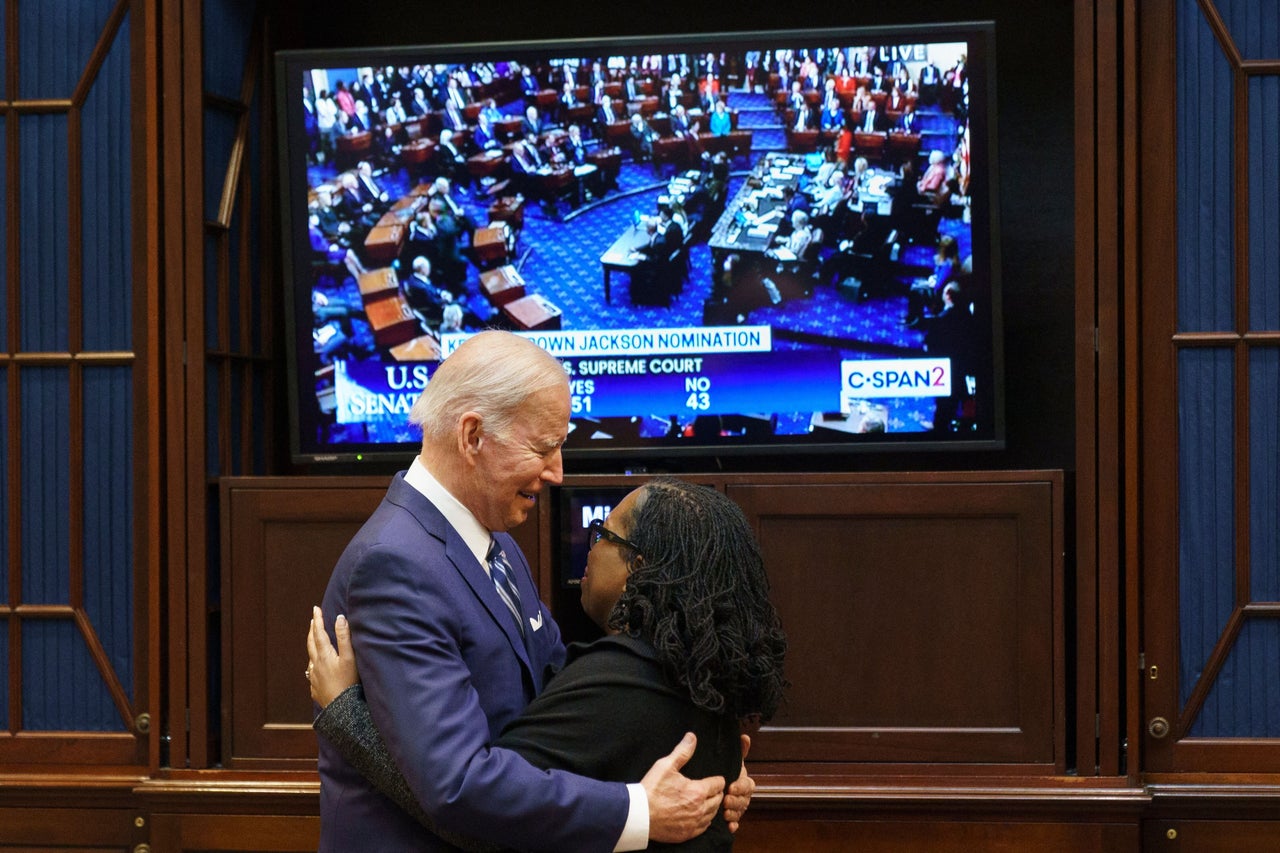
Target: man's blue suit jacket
x,y
445,669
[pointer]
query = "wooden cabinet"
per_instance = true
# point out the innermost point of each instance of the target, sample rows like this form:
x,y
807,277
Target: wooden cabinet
x,y
923,612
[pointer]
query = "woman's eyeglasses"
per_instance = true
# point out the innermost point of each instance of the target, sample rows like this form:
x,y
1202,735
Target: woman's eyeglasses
x,y
597,531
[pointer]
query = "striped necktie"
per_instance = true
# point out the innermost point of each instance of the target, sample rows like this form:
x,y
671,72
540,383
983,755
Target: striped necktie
x,y
504,583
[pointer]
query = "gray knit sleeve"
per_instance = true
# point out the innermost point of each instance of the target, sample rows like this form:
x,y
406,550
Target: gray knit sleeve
x,y
345,722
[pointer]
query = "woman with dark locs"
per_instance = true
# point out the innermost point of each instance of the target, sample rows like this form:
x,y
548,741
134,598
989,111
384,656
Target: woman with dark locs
x,y
692,643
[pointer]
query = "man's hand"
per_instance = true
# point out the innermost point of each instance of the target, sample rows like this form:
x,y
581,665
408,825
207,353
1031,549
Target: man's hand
x,y
680,808
738,797
329,670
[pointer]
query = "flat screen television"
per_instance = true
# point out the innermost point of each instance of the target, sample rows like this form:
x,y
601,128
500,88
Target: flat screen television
x,y
758,242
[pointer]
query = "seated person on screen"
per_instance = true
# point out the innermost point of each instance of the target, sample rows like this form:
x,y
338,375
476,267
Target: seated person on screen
x,y
721,122
447,246
483,136
491,110
676,580
934,176
567,98
426,299
865,253
605,114
861,173
832,118
528,83
574,147
666,236
396,113
873,120
679,218
532,122
454,320
796,98
331,218
420,105
330,253
526,161
359,121
643,135
926,293
353,207
574,151
803,119
631,85
451,162
442,189
331,333
950,334
861,100
793,246
673,93
369,188
682,127
830,203
453,117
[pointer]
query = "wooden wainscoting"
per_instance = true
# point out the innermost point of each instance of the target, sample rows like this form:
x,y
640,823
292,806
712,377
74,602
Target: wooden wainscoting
x,y
923,615
280,539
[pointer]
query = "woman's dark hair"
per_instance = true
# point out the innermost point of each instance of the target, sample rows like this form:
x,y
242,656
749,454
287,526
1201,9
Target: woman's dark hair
x,y
698,594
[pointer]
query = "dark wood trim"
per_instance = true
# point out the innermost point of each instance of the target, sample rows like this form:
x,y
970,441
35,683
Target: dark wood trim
x,y
12,440
149,517
1125,550
1086,542
1155,506
172,356
200,748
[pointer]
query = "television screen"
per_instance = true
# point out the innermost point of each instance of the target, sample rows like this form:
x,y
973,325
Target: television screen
x,y
746,242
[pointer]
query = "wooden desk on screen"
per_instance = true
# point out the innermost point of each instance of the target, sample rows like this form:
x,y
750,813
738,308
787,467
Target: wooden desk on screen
x,y
532,313
619,257
492,244
502,285
382,243
392,320
352,147
421,348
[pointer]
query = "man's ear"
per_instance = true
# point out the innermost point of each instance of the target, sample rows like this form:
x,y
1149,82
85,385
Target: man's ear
x,y
470,434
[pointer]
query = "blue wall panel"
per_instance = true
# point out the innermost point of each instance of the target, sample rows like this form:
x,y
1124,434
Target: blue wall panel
x,y
5,283
1206,483
1204,163
4,491
109,512
1245,698
45,440
63,690
42,238
226,28
58,37
108,178
1254,26
1264,203
1264,474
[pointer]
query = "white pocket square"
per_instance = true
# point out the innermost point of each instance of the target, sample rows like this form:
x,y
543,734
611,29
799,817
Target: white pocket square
x,y
535,622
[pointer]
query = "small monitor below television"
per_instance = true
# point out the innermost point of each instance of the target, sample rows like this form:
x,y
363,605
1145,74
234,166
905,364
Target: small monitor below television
x,y
735,243
578,506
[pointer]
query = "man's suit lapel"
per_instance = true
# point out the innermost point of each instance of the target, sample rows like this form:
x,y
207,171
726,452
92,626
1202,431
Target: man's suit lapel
x,y
465,563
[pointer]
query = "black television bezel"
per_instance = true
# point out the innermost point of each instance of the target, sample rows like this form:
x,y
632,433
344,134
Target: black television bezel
x,y
292,174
